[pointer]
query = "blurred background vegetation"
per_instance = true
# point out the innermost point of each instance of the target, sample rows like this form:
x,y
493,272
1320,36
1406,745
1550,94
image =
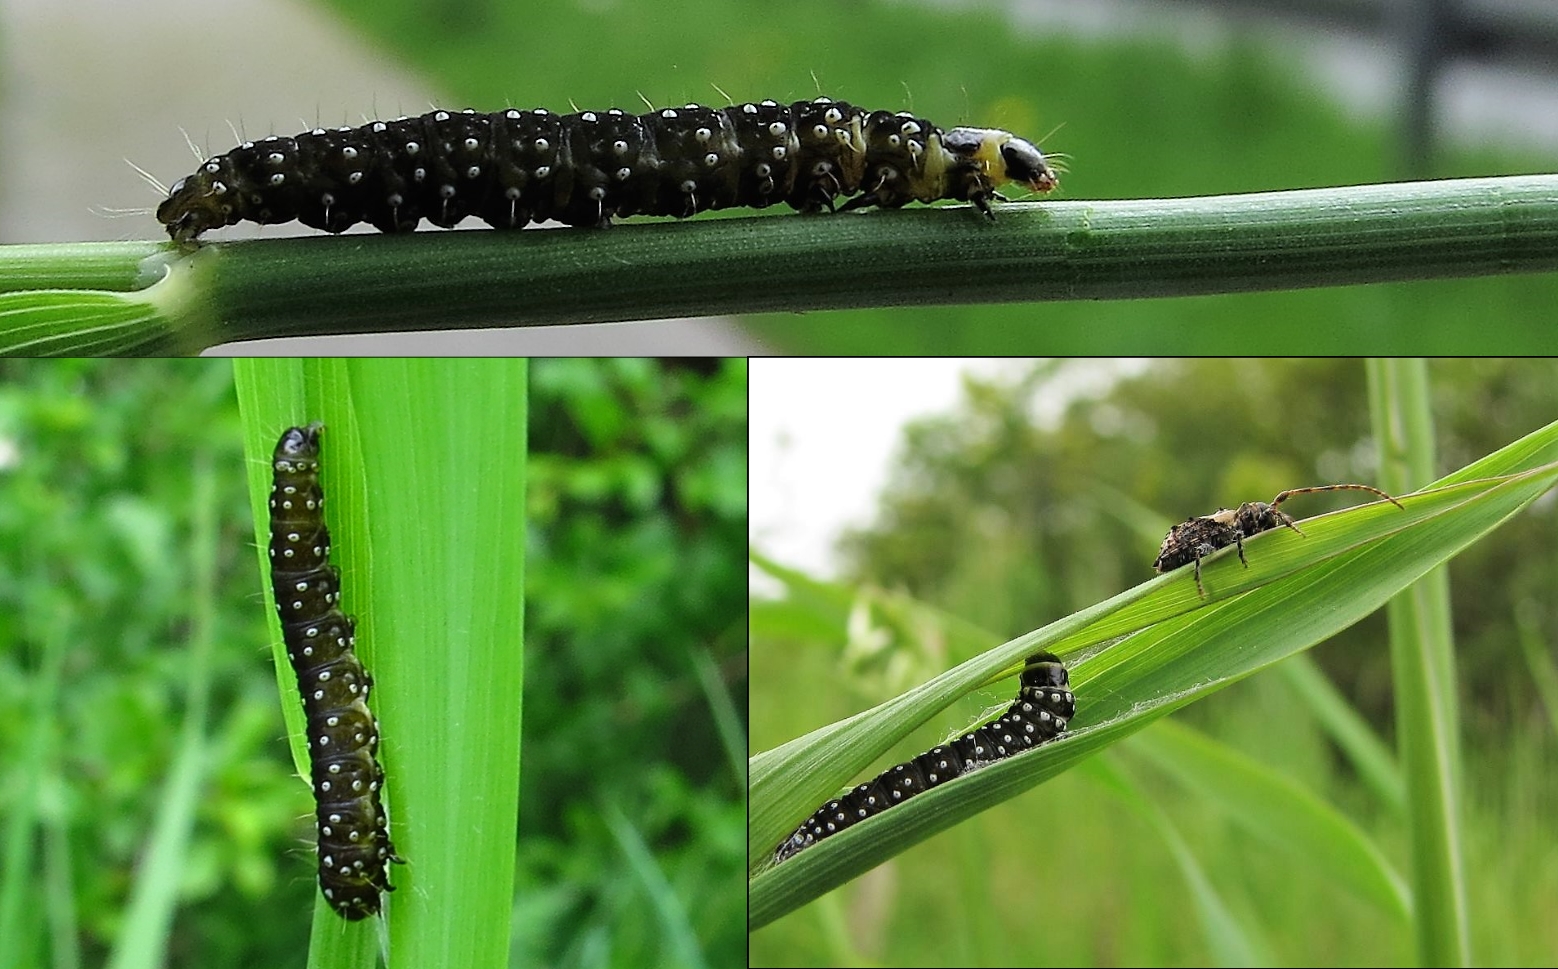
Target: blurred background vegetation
x,y
1207,111
1024,504
634,615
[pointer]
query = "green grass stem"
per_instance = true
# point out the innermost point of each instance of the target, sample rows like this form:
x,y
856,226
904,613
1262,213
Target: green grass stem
x,y
1422,666
1036,251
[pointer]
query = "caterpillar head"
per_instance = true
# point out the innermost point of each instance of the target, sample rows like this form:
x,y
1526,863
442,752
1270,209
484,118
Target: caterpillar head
x,y
1045,670
1001,156
204,200
300,443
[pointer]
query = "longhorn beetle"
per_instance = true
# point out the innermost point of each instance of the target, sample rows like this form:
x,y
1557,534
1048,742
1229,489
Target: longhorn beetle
x,y
1197,538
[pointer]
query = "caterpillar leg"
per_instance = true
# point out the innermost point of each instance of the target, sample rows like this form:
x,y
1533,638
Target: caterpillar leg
x,y
817,204
860,202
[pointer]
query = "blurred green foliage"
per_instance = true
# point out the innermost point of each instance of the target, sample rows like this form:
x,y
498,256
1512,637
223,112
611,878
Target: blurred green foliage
x,y
638,525
1010,512
636,579
95,525
1138,118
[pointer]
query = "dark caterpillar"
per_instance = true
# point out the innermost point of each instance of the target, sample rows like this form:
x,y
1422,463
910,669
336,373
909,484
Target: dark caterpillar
x,y
513,167
1043,705
354,844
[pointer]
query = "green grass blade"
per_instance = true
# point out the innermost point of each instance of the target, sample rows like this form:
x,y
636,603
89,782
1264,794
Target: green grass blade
x,y
727,720
1544,672
154,899
424,466
59,323
1277,810
1231,942
1365,751
680,941
28,823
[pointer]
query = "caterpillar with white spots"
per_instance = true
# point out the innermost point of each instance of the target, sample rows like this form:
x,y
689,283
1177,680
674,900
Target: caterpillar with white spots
x,y
513,167
343,736
1043,705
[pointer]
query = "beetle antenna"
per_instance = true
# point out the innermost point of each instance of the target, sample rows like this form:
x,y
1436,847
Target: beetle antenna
x,y
1284,496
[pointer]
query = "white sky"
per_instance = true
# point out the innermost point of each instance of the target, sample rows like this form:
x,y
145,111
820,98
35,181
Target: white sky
x,y
823,434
